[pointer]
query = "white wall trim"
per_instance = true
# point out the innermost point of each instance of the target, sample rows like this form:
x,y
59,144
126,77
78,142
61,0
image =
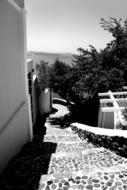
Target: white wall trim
x,y
112,109
14,4
113,93
110,100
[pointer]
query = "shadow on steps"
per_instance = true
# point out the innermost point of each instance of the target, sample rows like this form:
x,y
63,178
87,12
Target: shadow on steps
x,y
23,172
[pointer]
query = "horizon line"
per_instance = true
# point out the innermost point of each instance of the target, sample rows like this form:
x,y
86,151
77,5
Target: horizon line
x,y
48,52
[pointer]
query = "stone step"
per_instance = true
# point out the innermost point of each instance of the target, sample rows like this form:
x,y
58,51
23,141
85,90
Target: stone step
x,y
90,159
66,147
58,131
61,135
73,147
99,180
53,133
86,152
52,138
97,168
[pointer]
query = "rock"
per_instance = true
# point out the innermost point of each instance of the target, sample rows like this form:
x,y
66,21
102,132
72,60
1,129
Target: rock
x,y
106,177
49,182
121,176
109,183
53,186
84,177
81,186
60,184
47,188
97,185
90,187
78,178
67,183
95,180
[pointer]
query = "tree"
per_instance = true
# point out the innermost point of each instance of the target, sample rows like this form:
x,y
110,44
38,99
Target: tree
x,y
58,77
106,69
116,50
92,76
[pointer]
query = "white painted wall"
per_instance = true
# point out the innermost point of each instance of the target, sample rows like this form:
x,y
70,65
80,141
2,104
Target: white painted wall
x,y
105,119
15,121
108,120
45,101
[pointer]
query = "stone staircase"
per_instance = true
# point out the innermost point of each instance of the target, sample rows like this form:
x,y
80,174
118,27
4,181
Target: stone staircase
x,y
62,161
77,164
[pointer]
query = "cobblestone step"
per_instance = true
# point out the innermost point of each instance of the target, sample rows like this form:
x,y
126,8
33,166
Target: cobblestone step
x,y
92,169
93,159
62,138
73,147
50,130
100,180
56,134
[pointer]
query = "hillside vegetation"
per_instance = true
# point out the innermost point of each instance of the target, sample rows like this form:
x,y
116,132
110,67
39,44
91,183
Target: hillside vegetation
x,y
92,71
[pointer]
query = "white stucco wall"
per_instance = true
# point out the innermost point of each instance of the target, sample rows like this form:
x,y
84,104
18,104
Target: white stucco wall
x,y
14,115
105,119
108,120
45,101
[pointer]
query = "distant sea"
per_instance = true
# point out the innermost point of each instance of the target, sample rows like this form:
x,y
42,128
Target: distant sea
x,y
50,57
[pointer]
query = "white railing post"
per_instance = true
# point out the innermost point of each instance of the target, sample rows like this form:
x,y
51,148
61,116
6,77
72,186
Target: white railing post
x,y
116,112
117,109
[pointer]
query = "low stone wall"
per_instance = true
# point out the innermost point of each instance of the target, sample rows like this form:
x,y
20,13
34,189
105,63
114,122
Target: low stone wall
x,y
116,143
60,101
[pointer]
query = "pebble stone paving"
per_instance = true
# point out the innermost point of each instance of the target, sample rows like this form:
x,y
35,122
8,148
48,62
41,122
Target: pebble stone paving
x,y
99,180
79,165
73,147
76,162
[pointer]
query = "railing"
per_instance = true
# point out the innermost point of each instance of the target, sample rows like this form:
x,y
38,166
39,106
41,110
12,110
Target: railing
x,y
111,108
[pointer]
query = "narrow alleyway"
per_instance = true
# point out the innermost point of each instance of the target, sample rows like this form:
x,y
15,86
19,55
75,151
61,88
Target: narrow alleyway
x,y
77,164
62,161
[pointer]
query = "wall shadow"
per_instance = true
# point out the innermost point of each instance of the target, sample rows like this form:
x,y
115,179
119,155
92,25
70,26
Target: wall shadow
x,y
24,170
39,127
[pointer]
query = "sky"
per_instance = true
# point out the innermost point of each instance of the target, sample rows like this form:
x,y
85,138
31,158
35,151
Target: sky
x,y
58,26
